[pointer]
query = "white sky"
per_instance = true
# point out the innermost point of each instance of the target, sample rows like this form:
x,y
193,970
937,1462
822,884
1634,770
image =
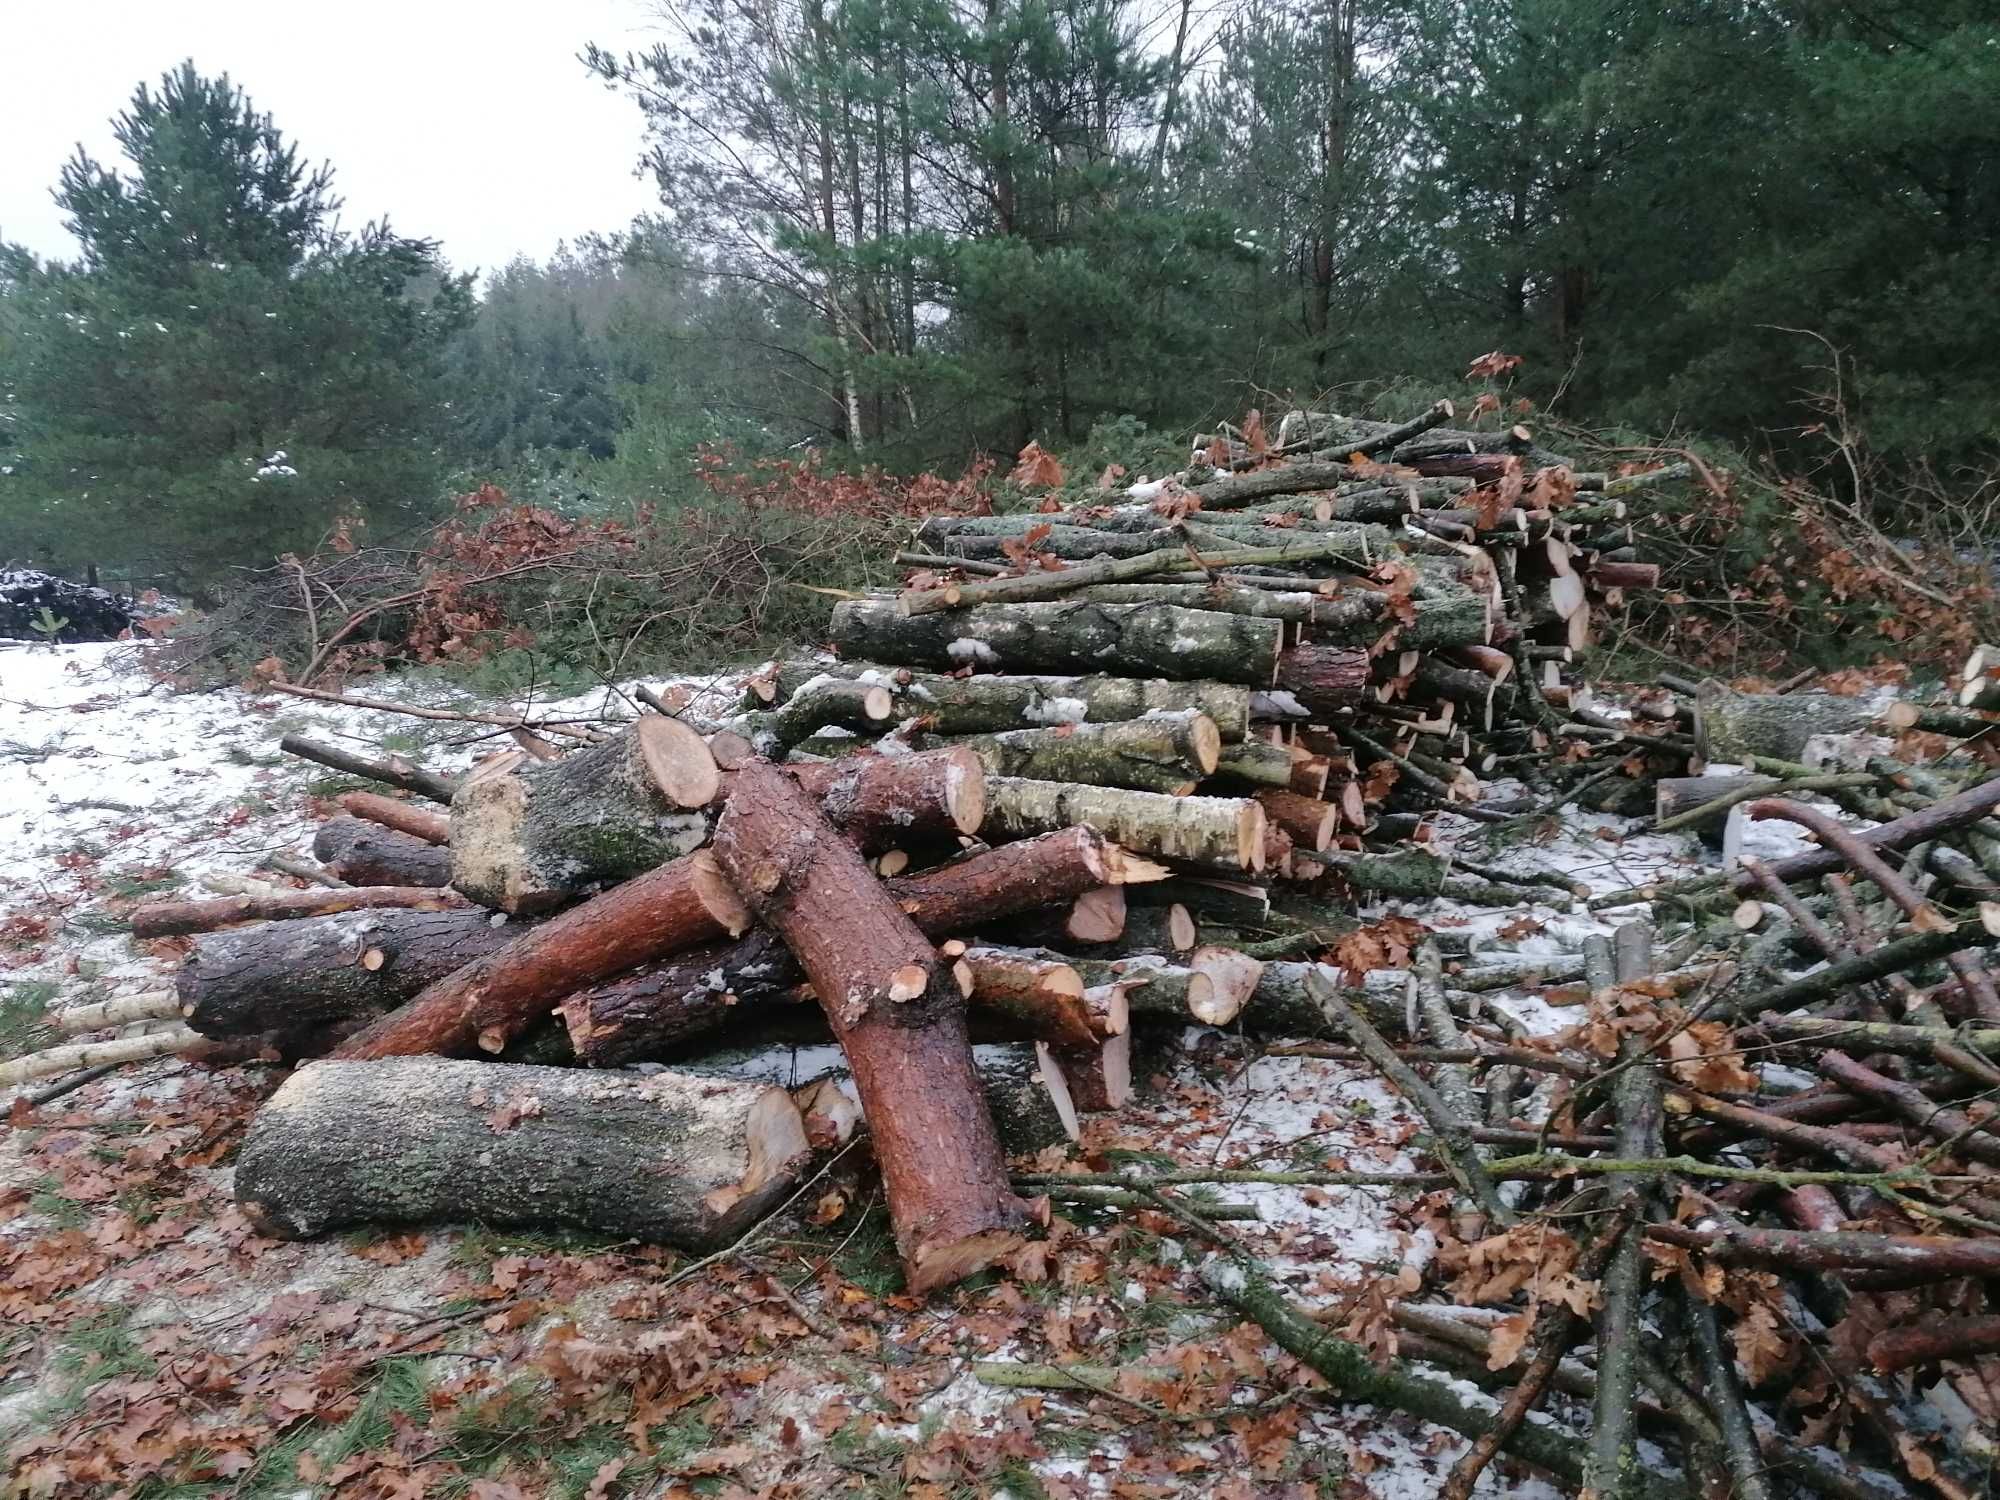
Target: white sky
x,y
472,124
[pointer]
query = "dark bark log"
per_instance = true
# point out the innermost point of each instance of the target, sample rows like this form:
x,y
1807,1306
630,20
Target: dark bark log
x,y
1326,679
305,981
993,705
396,771
900,1017
671,1157
493,1000
365,853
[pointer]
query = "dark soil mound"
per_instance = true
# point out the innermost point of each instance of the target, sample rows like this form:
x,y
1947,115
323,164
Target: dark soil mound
x,y
87,614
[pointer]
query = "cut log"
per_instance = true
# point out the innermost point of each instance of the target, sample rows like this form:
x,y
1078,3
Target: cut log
x,y
364,853
395,771
1028,1097
1224,831
899,1017
1043,995
1166,752
880,801
173,918
1255,762
674,1158
304,980
1736,726
1325,679
1099,916
1232,979
993,705
829,702
493,1000
529,837
1150,640
404,817
1099,1079
1053,868
1310,822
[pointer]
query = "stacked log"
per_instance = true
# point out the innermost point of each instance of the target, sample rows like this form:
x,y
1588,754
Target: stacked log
x,y
1239,686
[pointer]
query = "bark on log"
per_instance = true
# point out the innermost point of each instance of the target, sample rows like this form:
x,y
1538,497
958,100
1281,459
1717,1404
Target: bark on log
x,y
529,837
1166,752
172,918
364,853
1310,822
1099,1078
395,771
1044,871
1042,994
1150,640
1225,831
1737,726
1325,679
835,702
882,801
900,1018
404,817
1255,762
494,999
300,980
671,1157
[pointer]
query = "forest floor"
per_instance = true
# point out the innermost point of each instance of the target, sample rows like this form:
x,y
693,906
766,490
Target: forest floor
x,y
152,1344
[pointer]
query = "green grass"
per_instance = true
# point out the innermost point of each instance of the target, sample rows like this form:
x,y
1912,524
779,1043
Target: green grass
x,y
92,1351
47,1198
24,1009
132,887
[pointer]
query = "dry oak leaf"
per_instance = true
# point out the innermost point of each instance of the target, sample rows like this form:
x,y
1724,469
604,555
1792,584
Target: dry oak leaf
x,y
1037,466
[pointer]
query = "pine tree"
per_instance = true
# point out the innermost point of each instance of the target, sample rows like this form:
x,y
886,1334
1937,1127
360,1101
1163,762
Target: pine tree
x,y
224,371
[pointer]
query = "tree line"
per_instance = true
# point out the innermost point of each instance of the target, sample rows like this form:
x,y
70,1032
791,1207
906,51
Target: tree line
x,y
915,231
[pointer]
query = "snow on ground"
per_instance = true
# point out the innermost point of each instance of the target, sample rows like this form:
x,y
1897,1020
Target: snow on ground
x,y
113,787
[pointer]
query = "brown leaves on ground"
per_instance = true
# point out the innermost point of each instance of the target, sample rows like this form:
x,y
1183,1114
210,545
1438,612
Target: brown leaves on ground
x,y
1386,944
1534,1258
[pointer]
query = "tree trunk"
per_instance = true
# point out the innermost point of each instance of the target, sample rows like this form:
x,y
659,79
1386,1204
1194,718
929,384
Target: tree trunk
x,y
364,853
1149,640
828,703
1166,752
494,999
899,1016
1225,831
671,1157
527,836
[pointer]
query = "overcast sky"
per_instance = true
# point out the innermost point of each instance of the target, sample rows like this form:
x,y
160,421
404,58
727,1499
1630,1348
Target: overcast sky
x,y
470,124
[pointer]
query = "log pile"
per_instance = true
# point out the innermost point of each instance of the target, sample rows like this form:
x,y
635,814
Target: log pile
x,y
1112,767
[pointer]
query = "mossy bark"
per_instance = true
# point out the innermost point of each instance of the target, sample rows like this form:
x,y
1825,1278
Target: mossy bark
x,y
1166,752
669,1157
